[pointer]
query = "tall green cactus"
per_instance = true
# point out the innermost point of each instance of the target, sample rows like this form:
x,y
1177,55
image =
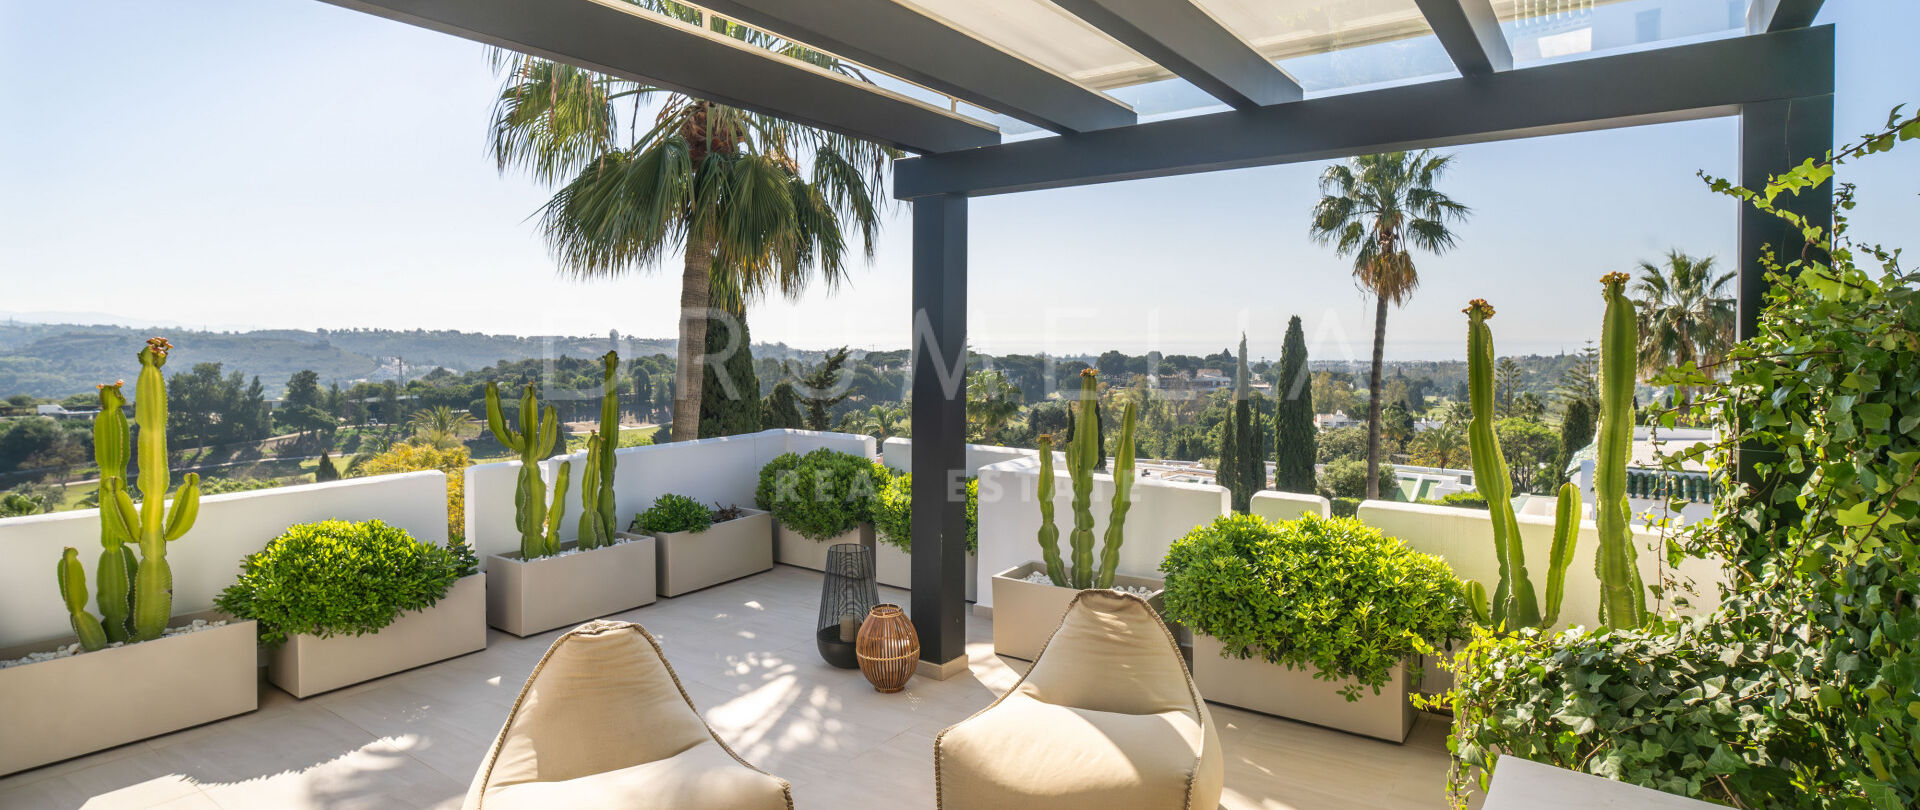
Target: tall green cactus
x,y
1083,454
1049,533
136,595
597,521
155,525
539,526
1623,597
73,591
1514,604
117,562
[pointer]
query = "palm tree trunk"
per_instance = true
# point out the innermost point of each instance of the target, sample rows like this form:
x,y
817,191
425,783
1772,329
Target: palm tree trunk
x,y
691,353
1373,398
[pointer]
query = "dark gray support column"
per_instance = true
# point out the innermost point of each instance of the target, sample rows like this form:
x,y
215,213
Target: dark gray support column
x,y
940,427
1776,136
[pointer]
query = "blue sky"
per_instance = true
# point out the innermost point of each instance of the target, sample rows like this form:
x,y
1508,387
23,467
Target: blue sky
x,y
286,163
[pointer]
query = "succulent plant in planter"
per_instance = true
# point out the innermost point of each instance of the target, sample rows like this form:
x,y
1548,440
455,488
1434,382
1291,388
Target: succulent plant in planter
x,y
1083,455
597,521
1328,594
674,513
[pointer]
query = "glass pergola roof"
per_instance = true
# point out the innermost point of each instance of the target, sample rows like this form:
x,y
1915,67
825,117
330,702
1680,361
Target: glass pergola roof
x,y
957,74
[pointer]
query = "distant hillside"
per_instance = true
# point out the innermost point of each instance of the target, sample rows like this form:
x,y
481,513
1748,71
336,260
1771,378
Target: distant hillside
x,y
58,360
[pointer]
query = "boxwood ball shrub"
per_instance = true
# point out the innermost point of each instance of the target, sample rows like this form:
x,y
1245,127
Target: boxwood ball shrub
x,y
823,494
339,578
893,513
1330,594
674,513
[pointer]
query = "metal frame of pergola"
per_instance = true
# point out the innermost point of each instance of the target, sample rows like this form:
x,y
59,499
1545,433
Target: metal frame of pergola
x,y
1777,79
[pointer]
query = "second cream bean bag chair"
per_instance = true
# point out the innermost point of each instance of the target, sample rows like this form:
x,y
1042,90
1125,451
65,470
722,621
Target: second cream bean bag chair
x,y
1107,719
604,723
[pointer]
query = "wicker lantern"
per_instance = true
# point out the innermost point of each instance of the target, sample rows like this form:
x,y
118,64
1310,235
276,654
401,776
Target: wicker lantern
x,y
847,592
889,649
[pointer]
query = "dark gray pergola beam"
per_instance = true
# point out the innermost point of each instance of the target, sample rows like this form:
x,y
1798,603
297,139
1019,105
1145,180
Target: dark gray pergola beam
x,y
891,37
1470,33
1601,93
612,41
1780,15
1180,37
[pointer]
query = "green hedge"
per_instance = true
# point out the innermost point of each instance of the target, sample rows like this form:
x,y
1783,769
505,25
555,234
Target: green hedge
x,y
822,494
674,513
893,513
1332,594
338,578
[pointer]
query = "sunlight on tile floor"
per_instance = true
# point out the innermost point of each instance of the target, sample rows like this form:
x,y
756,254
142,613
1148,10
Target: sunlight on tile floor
x,y
745,653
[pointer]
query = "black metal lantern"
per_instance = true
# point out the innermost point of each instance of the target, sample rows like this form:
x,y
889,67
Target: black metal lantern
x,y
847,594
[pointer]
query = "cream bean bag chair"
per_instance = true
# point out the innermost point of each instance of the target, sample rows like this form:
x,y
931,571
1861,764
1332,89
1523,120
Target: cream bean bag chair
x,y
603,723
1107,719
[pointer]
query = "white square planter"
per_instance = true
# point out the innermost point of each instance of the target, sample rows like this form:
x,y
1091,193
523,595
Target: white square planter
x,y
689,561
793,548
533,596
456,625
1025,614
65,707
1254,684
894,566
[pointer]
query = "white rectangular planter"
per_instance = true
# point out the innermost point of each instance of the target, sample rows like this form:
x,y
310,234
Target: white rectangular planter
x,y
1025,614
65,707
793,548
456,625
689,561
533,596
894,566
1256,685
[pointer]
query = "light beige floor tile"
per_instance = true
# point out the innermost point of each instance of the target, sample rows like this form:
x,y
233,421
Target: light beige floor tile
x,y
746,655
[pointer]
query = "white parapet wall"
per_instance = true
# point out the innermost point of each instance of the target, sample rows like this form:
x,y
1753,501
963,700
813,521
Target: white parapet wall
x,y
723,470
1464,537
207,559
1277,506
1010,516
898,454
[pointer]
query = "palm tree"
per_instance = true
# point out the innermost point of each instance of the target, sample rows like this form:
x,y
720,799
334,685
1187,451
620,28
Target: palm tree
x,y
1444,446
992,403
765,201
1374,208
441,427
1686,314
879,421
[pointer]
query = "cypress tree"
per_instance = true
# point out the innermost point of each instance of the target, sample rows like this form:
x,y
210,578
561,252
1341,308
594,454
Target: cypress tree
x,y
1254,478
1294,435
1576,432
1228,470
730,406
1242,455
325,471
782,408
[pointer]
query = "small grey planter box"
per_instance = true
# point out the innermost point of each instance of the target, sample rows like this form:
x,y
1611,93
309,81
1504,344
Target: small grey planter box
x,y
1256,685
895,567
793,548
1025,614
456,625
533,596
58,709
689,561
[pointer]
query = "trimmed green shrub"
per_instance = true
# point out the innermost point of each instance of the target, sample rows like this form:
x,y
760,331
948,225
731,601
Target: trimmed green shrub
x,y
1331,594
893,513
1347,478
823,494
1462,500
674,513
1344,507
338,578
